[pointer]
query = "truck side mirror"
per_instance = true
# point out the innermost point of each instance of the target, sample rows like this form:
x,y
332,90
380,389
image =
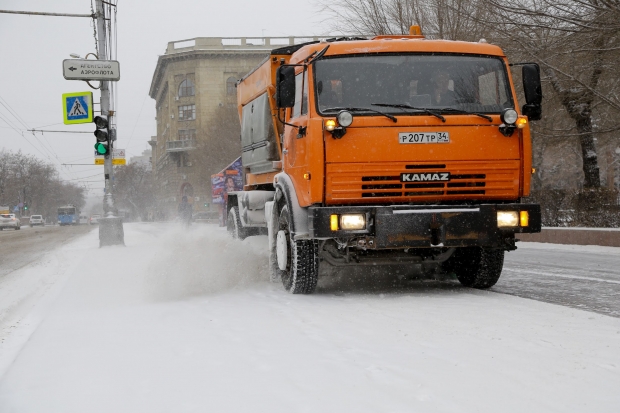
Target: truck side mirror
x,y
533,91
285,87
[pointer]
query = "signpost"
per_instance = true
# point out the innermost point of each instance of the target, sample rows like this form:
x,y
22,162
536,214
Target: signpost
x,y
118,157
100,160
85,69
77,107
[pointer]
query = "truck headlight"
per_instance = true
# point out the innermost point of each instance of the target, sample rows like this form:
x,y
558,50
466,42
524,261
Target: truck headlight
x,y
507,219
345,118
509,116
352,221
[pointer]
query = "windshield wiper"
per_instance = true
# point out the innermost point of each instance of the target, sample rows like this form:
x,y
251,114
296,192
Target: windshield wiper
x,y
405,106
359,110
482,115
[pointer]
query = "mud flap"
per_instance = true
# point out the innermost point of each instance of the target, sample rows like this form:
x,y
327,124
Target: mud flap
x,y
271,215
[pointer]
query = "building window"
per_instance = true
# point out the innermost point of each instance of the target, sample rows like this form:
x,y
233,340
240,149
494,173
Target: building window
x,y
186,88
231,86
187,134
187,112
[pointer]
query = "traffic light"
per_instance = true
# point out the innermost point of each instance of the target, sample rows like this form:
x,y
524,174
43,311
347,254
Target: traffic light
x,y
102,147
25,206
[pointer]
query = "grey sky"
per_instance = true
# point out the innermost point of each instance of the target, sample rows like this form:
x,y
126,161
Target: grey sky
x,y
32,49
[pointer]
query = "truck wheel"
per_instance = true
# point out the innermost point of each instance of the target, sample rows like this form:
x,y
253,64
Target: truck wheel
x,y
298,261
234,226
476,267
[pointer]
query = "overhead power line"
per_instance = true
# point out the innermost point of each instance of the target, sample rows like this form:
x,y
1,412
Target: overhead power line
x,y
39,13
57,131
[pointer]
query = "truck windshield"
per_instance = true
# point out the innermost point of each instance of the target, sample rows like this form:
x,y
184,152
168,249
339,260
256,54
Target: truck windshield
x,y
467,83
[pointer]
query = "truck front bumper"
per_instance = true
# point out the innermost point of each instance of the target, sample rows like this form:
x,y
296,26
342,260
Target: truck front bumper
x,y
406,226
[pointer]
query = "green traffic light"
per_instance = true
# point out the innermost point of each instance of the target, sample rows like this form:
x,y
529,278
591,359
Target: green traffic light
x,y
101,148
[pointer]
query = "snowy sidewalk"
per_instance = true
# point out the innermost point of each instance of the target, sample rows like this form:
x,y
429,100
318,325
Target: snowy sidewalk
x,y
188,322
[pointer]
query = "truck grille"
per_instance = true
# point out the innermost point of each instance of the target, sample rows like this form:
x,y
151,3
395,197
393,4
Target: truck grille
x,y
477,180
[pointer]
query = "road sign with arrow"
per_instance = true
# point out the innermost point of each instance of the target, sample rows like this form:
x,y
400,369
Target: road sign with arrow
x,y
90,69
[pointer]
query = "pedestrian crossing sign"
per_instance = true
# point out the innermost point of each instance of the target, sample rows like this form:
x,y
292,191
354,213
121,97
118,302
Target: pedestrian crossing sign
x,y
77,107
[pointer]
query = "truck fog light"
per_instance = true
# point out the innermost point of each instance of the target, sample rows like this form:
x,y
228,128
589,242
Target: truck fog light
x,y
352,221
524,218
330,125
345,118
507,219
333,222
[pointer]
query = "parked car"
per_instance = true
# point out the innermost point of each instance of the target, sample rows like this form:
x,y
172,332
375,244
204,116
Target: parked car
x,y
36,220
206,217
9,221
94,219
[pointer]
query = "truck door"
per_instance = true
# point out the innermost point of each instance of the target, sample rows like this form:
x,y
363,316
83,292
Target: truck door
x,y
295,137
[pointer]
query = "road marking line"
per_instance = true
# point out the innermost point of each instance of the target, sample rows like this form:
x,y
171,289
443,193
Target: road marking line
x,y
576,277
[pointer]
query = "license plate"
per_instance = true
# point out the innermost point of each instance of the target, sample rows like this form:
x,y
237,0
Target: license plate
x,y
424,137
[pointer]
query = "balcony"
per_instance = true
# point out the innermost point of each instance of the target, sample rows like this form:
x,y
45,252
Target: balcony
x,y
180,146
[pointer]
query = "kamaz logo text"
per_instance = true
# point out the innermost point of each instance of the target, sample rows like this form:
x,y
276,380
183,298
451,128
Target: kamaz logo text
x,y
429,177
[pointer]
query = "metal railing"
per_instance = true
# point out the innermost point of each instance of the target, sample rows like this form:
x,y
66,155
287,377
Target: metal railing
x,y
243,43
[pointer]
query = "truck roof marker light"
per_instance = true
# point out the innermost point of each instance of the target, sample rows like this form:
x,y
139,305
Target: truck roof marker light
x,y
330,125
521,122
415,30
333,222
524,218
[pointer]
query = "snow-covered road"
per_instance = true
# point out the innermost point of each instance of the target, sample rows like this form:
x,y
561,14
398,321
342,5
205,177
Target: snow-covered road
x,y
188,321
586,277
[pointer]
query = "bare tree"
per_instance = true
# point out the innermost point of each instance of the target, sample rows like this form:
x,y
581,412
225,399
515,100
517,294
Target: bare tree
x,y
444,19
26,179
577,44
221,145
134,188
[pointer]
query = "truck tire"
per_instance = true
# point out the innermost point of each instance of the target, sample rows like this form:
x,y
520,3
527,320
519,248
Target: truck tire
x,y
476,267
300,259
234,226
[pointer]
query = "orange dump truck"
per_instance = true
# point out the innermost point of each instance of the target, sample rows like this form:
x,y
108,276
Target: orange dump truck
x,y
390,150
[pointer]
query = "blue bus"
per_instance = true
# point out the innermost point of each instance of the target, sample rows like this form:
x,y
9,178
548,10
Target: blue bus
x,y
68,215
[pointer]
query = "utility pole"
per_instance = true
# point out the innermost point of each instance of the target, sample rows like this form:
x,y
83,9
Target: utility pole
x,y
111,226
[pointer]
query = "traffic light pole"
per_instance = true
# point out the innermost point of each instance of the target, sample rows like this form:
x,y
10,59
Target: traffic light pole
x,y
111,226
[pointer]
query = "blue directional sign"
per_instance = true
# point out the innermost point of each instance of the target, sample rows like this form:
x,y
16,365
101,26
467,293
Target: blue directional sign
x,y
77,107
